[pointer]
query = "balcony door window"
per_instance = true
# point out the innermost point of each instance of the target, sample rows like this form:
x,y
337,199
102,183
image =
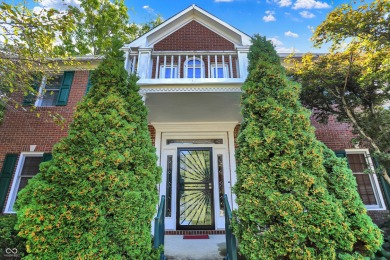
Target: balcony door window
x,y
194,68
220,71
168,72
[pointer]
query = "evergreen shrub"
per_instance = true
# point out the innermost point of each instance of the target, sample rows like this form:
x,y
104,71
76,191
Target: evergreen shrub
x,y
289,207
97,197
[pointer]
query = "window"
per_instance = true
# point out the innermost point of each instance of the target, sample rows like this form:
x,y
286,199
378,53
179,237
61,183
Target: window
x,y
168,72
220,71
194,68
28,167
49,90
52,91
360,162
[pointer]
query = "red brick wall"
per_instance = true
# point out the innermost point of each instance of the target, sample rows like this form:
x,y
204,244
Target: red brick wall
x,y
20,128
194,37
152,132
336,135
379,216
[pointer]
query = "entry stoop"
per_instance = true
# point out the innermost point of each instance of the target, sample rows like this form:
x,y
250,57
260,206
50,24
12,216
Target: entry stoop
x,y
213,248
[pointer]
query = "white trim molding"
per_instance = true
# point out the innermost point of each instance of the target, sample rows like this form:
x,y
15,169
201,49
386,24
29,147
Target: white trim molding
x,y
190,90
16,179
373,179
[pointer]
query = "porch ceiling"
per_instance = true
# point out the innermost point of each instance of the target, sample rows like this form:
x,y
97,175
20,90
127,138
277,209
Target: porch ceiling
x,y
193,107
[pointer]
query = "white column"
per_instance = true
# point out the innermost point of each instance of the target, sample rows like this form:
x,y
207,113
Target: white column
x,y
243,61
127,61
233,175
144,61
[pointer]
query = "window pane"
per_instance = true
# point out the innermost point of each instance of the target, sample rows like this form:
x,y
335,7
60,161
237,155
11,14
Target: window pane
x,y
168,73
30,169
191,62
219,74
169,186
197,73
54,82
31,165
50,98
365,189
23,182
358,165
357,162
52,87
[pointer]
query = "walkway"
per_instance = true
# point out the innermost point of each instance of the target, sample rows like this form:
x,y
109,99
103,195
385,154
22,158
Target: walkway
x,y
195,249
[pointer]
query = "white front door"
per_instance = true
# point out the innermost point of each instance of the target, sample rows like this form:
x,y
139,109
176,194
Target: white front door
x,y
196,175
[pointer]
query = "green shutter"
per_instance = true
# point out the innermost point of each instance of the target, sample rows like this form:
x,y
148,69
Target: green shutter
x,y
47,157
340,154
29,100
383,182
89,84
65,88
6,175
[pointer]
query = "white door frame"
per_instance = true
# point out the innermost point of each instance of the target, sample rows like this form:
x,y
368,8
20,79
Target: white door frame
x,y
224,131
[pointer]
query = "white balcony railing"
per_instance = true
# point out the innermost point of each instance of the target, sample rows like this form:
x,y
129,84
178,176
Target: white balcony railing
x,y
181,67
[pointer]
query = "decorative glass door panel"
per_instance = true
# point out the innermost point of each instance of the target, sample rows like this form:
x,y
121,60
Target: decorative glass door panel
x,y
195,189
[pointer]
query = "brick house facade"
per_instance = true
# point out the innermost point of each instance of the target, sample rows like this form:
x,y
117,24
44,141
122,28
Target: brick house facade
x,y
191,69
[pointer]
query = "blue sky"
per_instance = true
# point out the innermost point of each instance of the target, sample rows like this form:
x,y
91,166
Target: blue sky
x,y
288,23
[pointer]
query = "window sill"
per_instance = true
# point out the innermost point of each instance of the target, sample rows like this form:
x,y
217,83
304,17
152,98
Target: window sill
x,y
375,208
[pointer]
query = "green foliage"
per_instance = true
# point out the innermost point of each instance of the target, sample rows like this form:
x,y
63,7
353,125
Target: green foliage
x,y
97,197
342,185
96,23
352,82
285,209
27,46
8,236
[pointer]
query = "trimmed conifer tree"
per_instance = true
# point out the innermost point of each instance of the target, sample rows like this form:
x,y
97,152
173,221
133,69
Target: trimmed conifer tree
x,y
342,185
285,210
97,197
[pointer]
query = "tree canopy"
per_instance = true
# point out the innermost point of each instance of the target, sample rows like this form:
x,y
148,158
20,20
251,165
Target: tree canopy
x,y
352,82
35,42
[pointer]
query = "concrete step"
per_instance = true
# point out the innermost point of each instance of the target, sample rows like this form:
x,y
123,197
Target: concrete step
x,y
213,248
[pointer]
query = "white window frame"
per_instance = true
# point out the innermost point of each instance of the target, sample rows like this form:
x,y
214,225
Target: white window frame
x,y
42,90
201,67
174,72
225,71
373,178
16,179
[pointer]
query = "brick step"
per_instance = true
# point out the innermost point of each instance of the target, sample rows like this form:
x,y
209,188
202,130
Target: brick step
x,y
194,232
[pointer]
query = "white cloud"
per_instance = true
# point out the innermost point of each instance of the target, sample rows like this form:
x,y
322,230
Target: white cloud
x,y
311,28
310,4
279,46
269,17
149,9
307,14
275,41
56,4
283,3
286,50
291,34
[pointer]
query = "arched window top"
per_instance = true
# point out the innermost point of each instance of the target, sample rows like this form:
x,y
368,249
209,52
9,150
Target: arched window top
x,y
194,68
197,62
